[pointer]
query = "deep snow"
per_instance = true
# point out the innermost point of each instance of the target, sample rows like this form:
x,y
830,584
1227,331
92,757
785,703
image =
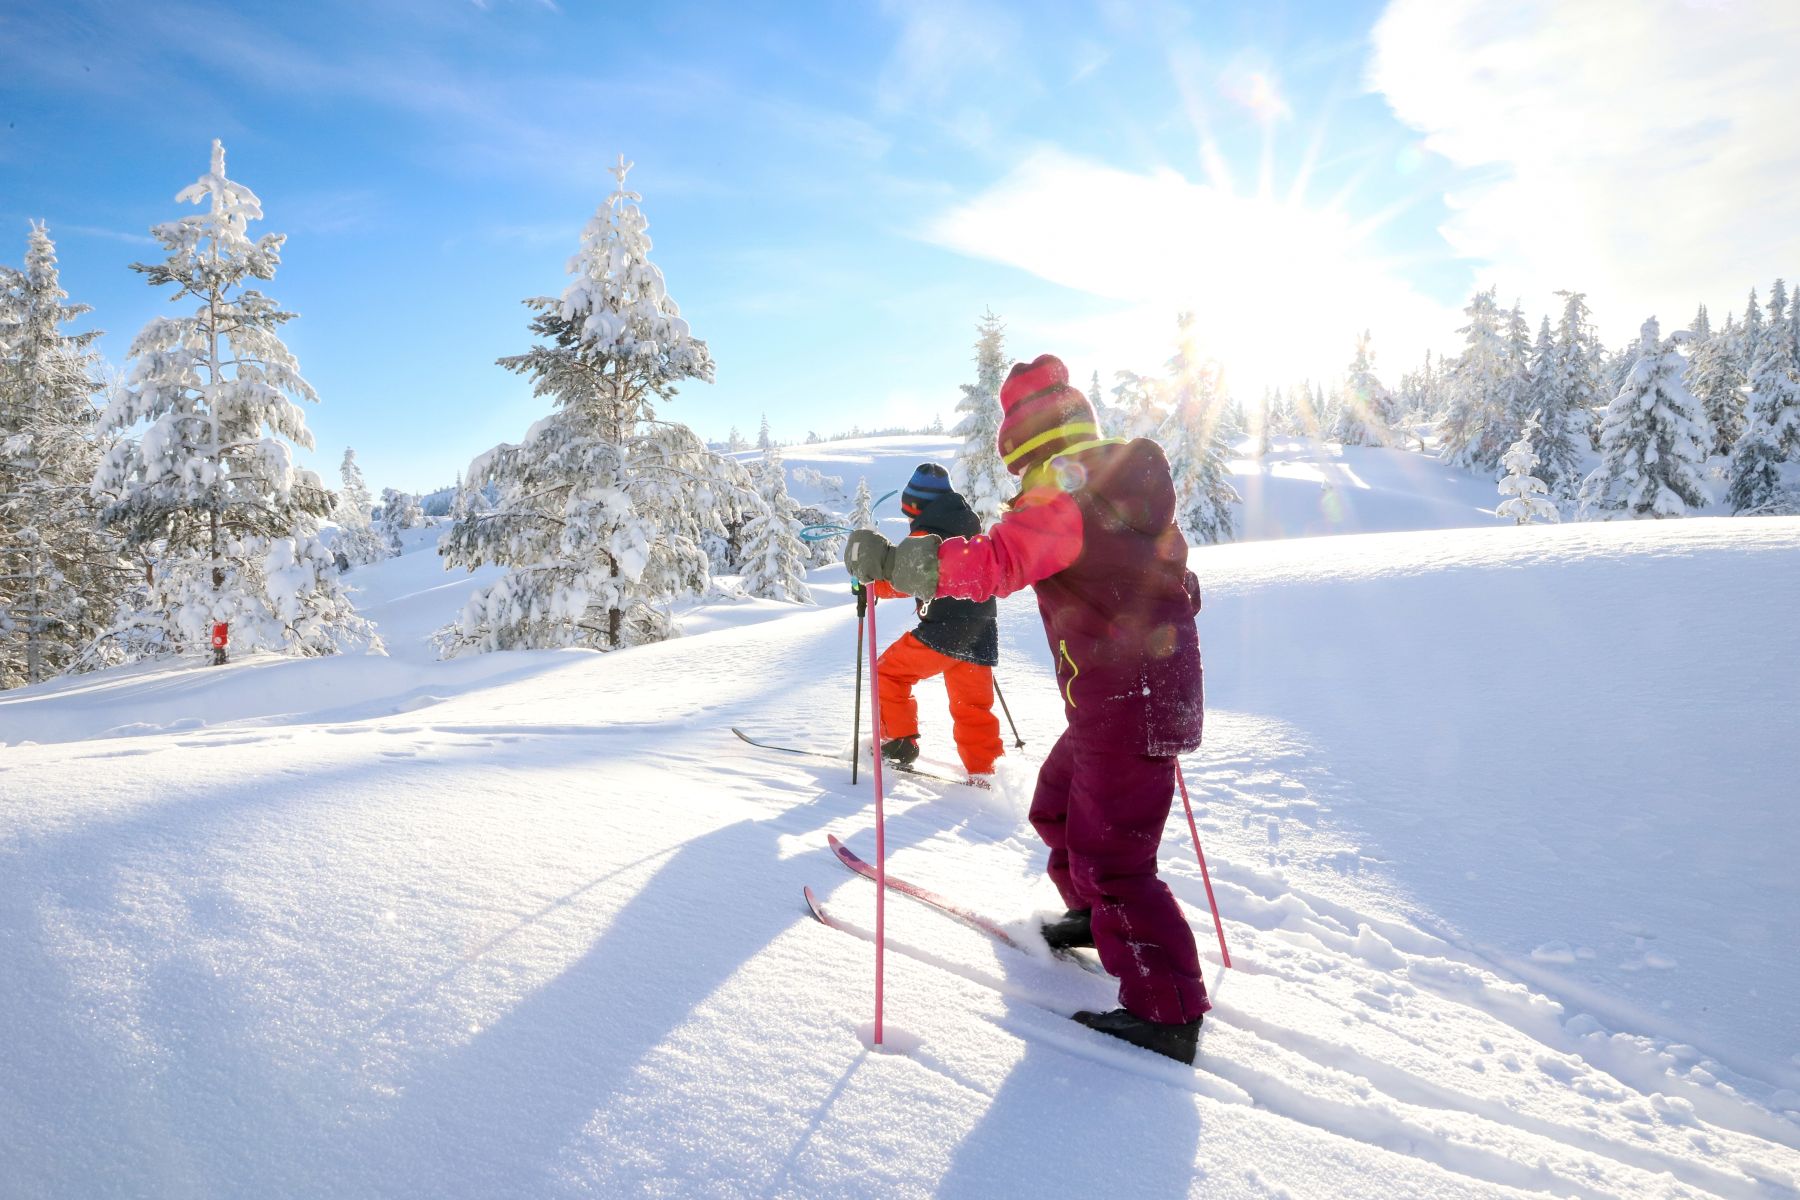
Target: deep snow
x,y
1500,822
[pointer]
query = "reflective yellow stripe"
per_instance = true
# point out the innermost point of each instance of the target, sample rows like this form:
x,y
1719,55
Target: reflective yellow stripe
x,y
1069,690
1043,473
1061,431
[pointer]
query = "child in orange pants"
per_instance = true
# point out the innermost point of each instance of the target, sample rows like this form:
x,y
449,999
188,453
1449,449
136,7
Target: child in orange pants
x,y
958,639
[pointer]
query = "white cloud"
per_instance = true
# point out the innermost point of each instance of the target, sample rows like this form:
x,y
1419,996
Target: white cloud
x,y
1646,152
1280,290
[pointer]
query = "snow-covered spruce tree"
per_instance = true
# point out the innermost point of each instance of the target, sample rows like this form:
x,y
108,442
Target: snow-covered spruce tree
x,y
1136,410
60,577
1771,433
357,540
1197,436
399,511
1282,418
207,491
1365,407
1526,495
774,559
1565,395
1653,441
602,507
862,515
763,441
1750,335
1718,383
977,471
1477,389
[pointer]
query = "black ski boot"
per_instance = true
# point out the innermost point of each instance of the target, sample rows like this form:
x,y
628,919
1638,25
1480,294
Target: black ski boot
x,y
901,751
1075,928
1176,1041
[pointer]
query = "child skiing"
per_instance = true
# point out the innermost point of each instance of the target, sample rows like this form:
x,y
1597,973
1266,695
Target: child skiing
x,y
958,639
1092,531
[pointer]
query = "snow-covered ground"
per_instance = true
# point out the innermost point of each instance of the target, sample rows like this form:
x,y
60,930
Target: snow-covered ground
x,y
1500,820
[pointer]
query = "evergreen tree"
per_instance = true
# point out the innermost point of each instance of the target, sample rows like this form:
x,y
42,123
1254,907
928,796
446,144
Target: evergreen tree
x,y
1135,411
1526,495
208,491
1365,412
1567,394
1098,400
734,441
977,471
1477,385
1282,418
1197,436
1717,382
1702,325
774,559
357,539
59,576
1750,335
1653,442
602,508
862,516
763,441
1771,433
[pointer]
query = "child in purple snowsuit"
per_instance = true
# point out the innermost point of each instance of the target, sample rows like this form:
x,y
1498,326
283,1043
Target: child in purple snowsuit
x,y
1092,531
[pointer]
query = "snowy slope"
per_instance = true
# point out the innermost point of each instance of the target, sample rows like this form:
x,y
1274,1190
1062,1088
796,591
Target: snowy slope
x,y
1500,822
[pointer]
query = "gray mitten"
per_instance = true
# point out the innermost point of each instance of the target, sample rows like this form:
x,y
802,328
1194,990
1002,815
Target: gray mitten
x,y
868,557
914,569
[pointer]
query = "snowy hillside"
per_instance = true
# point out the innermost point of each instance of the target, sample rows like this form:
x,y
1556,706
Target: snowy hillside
x,y
1500,822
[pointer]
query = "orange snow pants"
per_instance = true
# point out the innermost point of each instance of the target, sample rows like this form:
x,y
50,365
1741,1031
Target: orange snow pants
x,y
971,689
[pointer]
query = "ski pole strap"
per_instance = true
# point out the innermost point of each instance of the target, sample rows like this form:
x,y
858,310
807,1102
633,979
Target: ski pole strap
x,y
821,533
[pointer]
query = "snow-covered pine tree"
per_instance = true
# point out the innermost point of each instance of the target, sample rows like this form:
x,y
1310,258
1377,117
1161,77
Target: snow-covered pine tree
x,y
1717,382
601,509
1526,495
399,511
60,577
977,471
1283,421
763,441
1265,413
774,559
1098,400
862,515
357,540
1701,327
1771,433
1566,393
1365,407
1197,436
1750,334
1653,442
1477,388
208,491
1135,411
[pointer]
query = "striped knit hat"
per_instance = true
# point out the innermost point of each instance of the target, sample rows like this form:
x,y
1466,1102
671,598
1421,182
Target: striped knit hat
x,y
928,482
1042,414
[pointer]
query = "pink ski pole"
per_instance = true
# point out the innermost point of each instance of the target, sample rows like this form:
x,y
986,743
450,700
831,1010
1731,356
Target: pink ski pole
x,y
1218,925
880,823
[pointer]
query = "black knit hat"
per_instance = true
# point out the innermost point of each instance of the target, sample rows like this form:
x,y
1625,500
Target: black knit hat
x,y
928,482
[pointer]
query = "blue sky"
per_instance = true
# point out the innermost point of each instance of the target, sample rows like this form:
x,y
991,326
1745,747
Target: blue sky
x,y
838,191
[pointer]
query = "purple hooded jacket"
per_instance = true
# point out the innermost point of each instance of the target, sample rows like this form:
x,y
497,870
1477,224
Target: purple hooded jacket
x,y
1109,566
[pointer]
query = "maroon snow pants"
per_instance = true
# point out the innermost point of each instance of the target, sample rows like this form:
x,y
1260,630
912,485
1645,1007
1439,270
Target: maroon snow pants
x,y
1102,812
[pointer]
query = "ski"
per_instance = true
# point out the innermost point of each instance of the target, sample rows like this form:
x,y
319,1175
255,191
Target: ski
x,y
845,759
1081,1044
948,907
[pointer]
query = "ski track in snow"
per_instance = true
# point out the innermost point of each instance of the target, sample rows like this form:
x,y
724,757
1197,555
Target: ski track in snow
x,y
531,925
